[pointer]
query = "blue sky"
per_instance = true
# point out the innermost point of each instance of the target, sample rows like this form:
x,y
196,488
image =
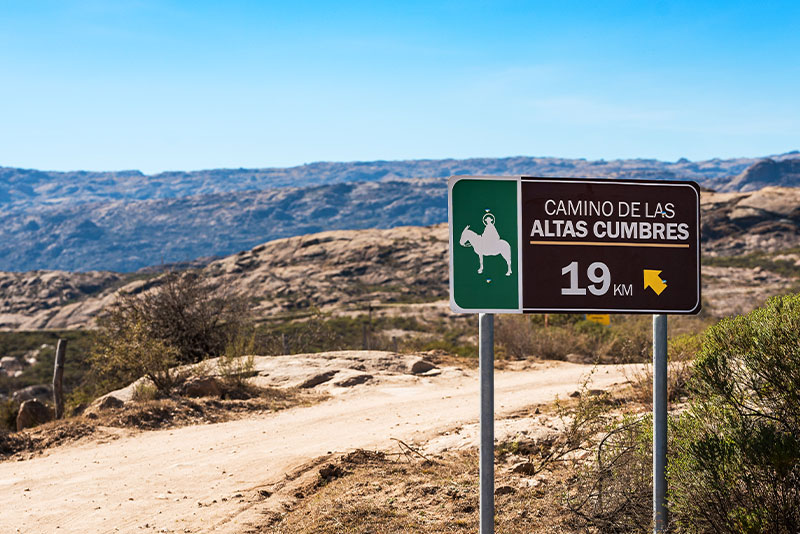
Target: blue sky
x,y
157,85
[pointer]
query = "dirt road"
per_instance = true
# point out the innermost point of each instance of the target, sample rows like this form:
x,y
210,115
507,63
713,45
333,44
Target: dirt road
x,y
203,478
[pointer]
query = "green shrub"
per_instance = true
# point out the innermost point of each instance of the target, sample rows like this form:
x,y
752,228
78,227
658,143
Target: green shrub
x,y
129,352
736,454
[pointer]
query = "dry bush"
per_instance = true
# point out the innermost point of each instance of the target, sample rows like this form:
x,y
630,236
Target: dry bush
x,y
612,494
144,391
519,338
315,334
514,335
628,339
148,334
236,365
185,313
680,353
631,339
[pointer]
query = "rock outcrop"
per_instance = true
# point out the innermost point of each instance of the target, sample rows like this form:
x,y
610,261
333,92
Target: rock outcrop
x,y
765,173
739,223
33,413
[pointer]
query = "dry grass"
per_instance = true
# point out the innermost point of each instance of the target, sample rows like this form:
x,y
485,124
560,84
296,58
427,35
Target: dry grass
x,y
382,492
376,493
681,353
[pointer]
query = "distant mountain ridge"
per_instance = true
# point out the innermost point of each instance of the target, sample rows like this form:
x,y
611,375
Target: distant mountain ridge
x,y
125,236
26,188
124,221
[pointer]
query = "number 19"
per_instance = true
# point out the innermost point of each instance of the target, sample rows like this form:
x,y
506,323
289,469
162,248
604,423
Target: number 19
x,y
597,272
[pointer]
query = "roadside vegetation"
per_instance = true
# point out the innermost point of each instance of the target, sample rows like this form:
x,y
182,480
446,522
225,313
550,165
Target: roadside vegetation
x,y
785,262
160,342
734,464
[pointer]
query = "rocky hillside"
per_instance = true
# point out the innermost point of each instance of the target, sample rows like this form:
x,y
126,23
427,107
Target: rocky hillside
x,y
765,220
767,172
341,270
125,221
338,269
31,292
125,236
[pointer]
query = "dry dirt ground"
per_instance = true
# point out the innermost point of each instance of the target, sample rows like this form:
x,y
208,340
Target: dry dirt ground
x,y
221,477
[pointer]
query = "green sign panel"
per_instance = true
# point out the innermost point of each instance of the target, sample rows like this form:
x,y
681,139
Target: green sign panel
x,y
484,244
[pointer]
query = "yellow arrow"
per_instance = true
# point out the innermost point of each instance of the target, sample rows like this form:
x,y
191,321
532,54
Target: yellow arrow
x,y
652,279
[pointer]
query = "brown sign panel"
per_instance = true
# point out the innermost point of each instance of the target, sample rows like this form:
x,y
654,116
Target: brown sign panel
x,y
615,246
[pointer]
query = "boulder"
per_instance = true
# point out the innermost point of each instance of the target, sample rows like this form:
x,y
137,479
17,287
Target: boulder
x,y
108,402
573,357
504,490
41,392
354,380
205,386
9,364
421,366
318,379
524,468
33,413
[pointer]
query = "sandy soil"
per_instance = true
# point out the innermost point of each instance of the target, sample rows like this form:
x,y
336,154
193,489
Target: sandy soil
x,y
212,478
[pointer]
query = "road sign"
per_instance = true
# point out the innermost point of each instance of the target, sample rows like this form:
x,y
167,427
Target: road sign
x,y
536,245
599,318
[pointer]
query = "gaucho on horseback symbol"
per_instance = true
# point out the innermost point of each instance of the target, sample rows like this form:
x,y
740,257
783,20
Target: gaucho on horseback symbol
x,y
487,244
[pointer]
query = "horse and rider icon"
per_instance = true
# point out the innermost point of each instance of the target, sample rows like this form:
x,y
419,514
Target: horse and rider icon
x,y
487,244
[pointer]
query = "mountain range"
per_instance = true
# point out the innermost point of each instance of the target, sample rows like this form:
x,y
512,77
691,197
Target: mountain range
x,y
125,221
407,265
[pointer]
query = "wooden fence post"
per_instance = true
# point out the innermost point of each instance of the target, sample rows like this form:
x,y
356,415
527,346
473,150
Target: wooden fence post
x,y
58,378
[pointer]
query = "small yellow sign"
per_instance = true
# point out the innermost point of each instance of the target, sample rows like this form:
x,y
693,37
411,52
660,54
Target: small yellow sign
x,y
599,318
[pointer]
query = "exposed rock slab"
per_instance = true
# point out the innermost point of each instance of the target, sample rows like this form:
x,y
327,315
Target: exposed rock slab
x,y
33,413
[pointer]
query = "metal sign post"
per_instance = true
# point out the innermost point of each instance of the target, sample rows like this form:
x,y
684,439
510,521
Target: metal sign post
x,y
659,424
486,363
525,244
